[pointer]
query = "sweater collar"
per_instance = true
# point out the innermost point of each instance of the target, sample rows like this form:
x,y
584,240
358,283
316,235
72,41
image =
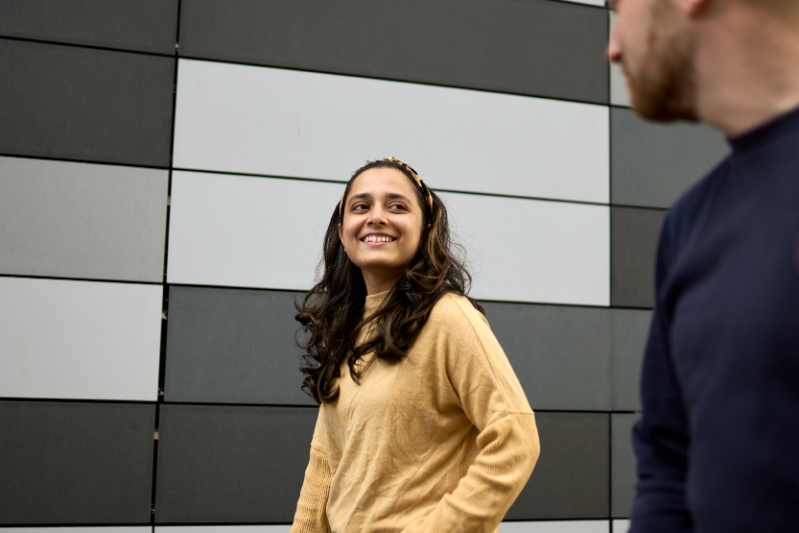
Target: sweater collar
x,y
783,126
373,301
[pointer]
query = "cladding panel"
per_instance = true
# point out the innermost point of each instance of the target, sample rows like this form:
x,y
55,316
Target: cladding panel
x,y
623,476
572,477
144,25
561,355
266,121
245,231
233,346
224,231
620,526
619,93
652,164
533,251
634,240
219,464
76,463
462,43
630,328
222,529
79,340
82,221
87,105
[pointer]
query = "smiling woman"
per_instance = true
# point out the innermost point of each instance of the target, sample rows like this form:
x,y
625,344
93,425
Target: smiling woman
x,y
423,425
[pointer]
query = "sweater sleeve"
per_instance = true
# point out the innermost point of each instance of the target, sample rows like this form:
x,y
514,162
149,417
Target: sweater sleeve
x,y
493,400
311,514
660,438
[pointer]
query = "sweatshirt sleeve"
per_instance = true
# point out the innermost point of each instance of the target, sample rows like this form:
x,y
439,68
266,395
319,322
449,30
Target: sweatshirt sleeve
x,y
660,438
493,400
311,514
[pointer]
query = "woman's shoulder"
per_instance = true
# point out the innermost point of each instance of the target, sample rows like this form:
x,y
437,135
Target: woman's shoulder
x,y
457,311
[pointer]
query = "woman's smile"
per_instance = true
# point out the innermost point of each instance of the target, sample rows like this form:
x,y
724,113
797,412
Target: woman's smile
x,y
378,239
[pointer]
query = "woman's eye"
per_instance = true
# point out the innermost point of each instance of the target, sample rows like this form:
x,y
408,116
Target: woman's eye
x,y
397,207
359,207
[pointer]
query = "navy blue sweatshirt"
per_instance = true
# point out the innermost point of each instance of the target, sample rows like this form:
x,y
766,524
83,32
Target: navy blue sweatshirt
x,y
718,443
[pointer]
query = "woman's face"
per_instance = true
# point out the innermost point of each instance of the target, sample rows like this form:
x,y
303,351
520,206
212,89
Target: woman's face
x,y
382,226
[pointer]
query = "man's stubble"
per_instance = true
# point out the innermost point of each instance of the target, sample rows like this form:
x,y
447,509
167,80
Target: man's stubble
x,y
664,87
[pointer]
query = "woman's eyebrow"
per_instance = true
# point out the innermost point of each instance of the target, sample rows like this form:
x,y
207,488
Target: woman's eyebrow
x,y
369,196
397,196
362,196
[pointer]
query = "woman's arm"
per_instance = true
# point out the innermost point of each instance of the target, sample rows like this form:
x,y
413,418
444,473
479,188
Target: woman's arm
x,y
311,514
493,400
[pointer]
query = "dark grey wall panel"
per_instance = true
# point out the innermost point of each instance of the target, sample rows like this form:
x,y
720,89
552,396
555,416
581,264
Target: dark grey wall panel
x,y
572,476
623,475
562,355
633,246
83,104
232,346
629,331
82,220
231,464
145,25
535,47
81,463
652,164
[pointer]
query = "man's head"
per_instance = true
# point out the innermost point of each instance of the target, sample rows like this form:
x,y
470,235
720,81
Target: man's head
x,y
658,42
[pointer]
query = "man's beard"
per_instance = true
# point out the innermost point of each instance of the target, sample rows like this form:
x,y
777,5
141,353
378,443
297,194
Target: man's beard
x,y
664,88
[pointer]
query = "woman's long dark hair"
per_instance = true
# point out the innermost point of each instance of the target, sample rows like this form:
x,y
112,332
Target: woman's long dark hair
x,y
331,313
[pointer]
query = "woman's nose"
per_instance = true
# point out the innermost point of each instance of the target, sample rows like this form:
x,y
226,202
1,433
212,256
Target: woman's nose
x,y
377,215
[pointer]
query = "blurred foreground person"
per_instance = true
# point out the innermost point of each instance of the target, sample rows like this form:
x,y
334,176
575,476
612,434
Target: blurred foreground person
x,y
718,443
422,423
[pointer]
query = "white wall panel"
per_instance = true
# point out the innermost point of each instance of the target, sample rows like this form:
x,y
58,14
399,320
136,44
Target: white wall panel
x,y
259,120
78,220
265,232
560,526
533,250
621,526
247,231
79,340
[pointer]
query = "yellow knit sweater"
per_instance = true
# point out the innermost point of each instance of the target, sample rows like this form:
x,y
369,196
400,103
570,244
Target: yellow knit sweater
x,y
442,441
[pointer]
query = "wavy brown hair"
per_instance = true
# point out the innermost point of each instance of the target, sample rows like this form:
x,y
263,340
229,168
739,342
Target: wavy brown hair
x,y
331,313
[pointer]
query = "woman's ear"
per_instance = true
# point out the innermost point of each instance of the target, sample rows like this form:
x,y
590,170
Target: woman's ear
x,y
340,236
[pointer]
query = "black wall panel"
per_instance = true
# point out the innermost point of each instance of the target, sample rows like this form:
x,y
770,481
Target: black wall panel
x,y
231,464
84,104
561,354
652,164
623,477
535,47
634,236
237,346
233,346
571,479
630,331
143,25
65,462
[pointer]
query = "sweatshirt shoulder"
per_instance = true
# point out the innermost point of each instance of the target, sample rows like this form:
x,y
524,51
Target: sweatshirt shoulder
x,y
457,311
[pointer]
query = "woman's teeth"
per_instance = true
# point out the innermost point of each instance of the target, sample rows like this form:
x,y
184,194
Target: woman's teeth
x,y
377,238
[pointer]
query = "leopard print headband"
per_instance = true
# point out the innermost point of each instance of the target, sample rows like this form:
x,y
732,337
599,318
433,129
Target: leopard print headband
x,y
428,196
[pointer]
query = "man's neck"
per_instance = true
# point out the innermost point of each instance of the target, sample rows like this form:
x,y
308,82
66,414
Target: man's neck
x,y
747,72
